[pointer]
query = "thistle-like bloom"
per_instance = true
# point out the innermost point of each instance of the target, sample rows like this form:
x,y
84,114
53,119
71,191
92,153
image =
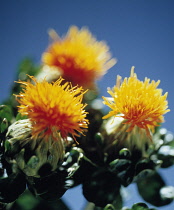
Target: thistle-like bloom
x,y
79,57
54,109
139,103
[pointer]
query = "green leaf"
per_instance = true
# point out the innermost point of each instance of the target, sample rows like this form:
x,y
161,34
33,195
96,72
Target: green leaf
x,y
140,206
143,174
123,169
109,207
6,113
20,117
27,66
83,172
98,138
29,202
119,165
26,201
50,187
11,187
144,164
4,125
124,153
144,168
149,188
101,188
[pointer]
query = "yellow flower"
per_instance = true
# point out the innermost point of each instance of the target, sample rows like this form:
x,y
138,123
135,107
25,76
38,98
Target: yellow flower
x,y
54,109
139,103
79,57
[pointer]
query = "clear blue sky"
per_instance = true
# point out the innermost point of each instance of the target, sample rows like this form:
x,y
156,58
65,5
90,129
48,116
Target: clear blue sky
x,y
139,33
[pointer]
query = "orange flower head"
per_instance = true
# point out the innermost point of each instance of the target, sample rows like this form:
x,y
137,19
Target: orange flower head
x,y
79,57
139,103
54,109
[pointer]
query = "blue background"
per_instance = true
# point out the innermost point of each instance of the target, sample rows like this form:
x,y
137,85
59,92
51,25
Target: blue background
x,y
139,33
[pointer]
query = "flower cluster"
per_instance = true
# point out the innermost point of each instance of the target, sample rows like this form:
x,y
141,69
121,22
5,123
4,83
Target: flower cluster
x,y
61,137
55,109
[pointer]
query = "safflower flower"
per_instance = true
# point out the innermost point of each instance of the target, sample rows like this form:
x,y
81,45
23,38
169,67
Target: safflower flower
x,y
140,104
54,109
78,57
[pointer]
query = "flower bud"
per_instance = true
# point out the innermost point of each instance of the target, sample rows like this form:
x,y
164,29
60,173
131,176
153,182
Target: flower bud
x,y
31,154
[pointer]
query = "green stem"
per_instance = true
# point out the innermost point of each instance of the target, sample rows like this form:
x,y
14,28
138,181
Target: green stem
x,y
87,159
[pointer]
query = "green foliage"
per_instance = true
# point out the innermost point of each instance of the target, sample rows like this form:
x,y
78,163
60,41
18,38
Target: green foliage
x,y
149,188
109,207
11,187
139,206
50,187
27,201
6,116
26,67
101,188
123,169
